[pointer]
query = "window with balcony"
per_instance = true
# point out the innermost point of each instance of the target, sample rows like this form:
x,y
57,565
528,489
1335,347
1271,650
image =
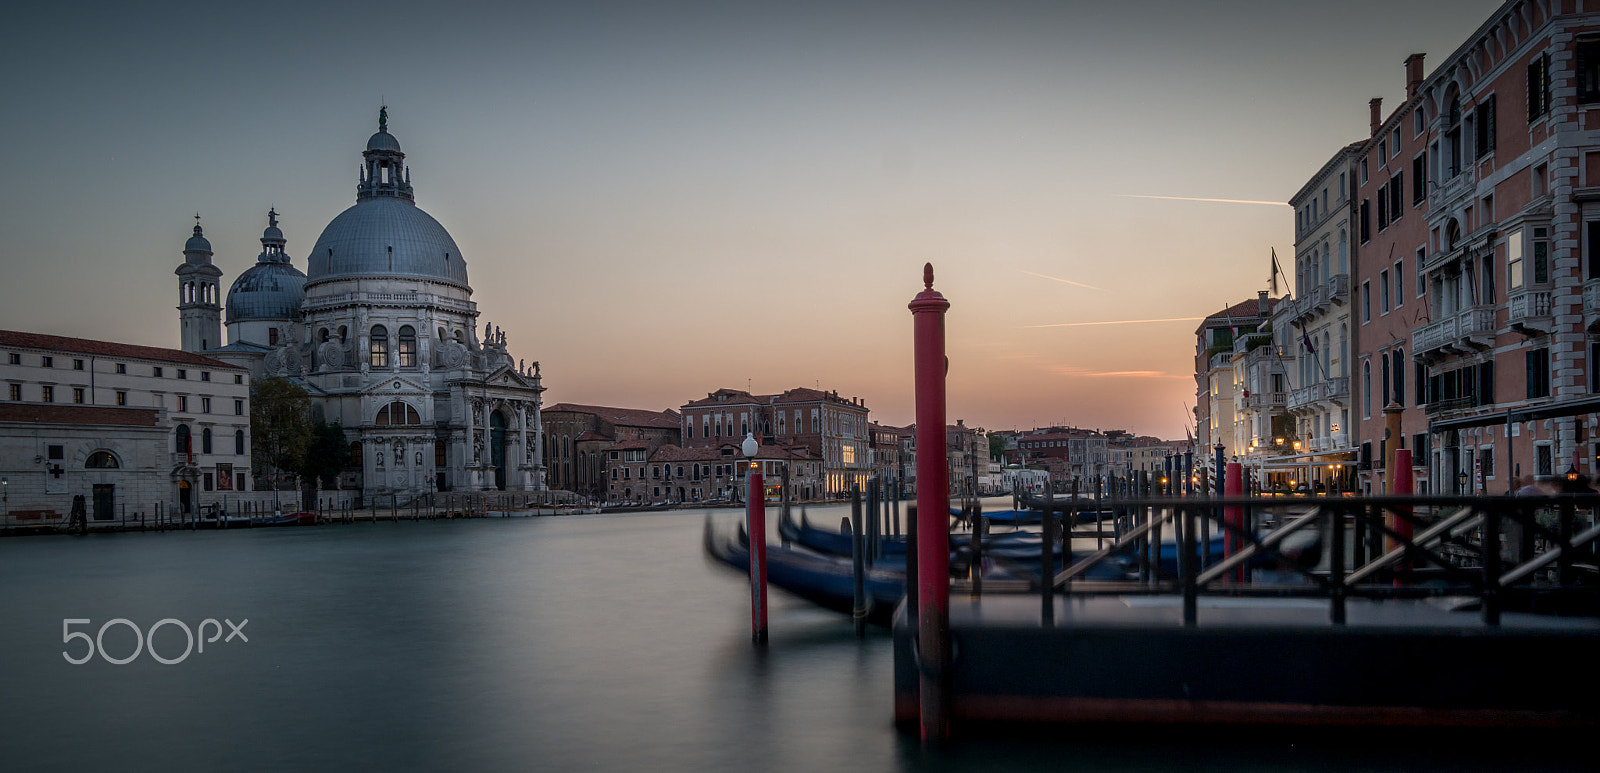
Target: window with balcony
x,y
1514,260
1541,255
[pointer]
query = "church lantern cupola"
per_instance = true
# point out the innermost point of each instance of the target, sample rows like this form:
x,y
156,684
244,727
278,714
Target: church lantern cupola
x,y
199,299
384,172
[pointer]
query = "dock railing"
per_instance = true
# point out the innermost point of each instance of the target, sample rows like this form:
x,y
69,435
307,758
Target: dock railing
x,y
1535,554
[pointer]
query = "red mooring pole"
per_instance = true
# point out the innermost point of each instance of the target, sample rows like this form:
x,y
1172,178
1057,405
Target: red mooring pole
x,y
933,510
1403,487
756,523
1233,515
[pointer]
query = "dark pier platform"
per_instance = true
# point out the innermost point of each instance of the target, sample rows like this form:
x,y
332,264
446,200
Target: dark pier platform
x,y
1113,659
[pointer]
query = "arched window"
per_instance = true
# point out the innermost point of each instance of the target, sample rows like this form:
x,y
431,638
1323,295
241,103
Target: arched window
x,y
1399,371
101,460
378,346
355,454
322,335
396,413
1366,390
408,347
183,438
205,440
344,333
441,335
238,442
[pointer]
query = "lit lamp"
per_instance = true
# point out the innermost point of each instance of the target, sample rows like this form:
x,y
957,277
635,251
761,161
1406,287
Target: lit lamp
x,y
1461,481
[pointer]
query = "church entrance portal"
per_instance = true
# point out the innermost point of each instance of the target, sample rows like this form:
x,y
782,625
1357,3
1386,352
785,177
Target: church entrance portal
x,y
497,449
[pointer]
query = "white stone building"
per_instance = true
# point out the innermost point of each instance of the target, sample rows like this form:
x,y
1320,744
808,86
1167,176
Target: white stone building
x,y
125,426
382,331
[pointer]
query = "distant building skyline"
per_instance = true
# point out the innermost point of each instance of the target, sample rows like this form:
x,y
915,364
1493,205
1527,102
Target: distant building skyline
x,y
763,182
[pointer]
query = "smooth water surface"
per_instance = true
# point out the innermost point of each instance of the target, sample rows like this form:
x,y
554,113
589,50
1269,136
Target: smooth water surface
x,y
602,642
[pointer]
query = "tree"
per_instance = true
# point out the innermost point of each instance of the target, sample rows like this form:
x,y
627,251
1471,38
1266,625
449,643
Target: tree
x,y
327,453
997,447
280,426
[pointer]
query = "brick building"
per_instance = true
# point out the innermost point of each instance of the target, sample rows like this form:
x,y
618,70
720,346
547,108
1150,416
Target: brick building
x,y
578,437
820,425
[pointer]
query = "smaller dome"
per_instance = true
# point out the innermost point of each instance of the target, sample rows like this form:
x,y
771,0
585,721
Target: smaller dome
x,y
266,291
198,242
273,232
383,140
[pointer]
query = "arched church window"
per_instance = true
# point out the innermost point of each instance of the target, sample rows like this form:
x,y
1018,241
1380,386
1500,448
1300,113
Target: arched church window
x,y
408,347
344,334
397,412
238,442
183,439
101,460
322,336
272,336
205,440
379,347
355,454
441,335
459,337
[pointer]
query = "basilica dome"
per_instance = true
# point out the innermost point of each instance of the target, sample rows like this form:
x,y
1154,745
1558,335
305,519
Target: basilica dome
x,y
273,288
385,234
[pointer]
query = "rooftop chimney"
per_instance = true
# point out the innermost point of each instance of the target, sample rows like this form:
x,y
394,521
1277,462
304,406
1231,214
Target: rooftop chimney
x,y
1377,114
1261,304
1413,74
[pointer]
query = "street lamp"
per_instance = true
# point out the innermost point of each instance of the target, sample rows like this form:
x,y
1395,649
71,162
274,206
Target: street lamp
x,y
1461,482
756,526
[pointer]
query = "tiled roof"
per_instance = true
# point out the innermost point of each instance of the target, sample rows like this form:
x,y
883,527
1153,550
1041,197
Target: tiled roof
x,y
21,340
628,446
42,413
589,435
627,417
730,397
1244,311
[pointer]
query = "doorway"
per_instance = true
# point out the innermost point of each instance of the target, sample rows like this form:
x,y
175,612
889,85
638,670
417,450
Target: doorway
x,y
104,501
497,449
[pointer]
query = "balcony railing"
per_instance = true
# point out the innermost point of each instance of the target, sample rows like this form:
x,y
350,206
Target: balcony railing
x,y
1468,329
1460,185
1334,389
1591,296
1530,310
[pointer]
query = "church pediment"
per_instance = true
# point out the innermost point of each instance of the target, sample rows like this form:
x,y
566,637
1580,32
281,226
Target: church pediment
x,y
507,376
395,385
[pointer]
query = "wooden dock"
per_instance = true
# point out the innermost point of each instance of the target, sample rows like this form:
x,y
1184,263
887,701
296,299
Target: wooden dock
x,y
1262,660
1414,612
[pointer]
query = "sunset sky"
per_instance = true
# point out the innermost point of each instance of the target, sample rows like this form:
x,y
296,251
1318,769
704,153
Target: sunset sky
x,y
656,200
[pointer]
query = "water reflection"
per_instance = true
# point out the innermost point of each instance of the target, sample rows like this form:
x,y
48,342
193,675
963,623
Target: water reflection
x,y
579,643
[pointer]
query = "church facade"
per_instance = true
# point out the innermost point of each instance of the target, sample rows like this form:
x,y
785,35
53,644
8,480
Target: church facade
x,y
382,331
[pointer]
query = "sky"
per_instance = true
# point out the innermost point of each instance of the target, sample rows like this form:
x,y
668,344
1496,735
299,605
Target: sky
x,y
658,200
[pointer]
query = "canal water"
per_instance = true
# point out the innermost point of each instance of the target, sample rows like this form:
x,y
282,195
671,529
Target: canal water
x,y
601,642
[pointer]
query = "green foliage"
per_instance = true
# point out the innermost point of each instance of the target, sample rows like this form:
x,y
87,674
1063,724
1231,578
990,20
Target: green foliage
x,y
997,447
280,425
327,453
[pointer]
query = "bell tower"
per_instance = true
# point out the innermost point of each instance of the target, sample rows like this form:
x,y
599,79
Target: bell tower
x,y
199,299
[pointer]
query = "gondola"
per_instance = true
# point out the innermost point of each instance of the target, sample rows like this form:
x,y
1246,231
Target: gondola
x,y
827,581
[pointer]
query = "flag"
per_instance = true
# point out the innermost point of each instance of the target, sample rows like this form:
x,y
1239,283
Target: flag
x,y
1305,339
1276,271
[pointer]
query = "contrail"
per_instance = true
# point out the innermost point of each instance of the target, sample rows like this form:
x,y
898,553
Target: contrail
x,y
1192,198
1066,281
1120,322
